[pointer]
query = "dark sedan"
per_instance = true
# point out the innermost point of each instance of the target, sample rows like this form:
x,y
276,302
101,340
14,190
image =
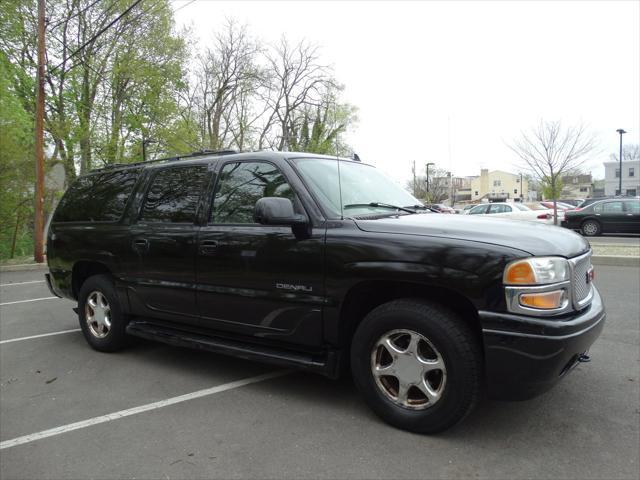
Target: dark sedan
x,y
605,216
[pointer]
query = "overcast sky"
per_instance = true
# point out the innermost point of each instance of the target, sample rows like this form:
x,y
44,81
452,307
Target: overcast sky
x,y
482,71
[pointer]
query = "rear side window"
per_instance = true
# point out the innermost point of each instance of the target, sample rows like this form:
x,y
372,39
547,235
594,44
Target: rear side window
x,y
500,209
99,197
174,194
609,207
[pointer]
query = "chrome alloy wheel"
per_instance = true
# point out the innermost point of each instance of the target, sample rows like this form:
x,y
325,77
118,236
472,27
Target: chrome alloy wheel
x,y
408,369
590,228
97,314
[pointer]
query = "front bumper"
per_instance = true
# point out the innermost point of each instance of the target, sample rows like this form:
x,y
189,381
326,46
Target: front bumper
x,y
525,356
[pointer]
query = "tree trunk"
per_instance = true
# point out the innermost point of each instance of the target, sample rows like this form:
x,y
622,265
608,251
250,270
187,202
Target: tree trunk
x,y
15,235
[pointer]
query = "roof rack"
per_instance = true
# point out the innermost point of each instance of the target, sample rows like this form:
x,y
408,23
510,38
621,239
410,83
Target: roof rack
x,y
199,153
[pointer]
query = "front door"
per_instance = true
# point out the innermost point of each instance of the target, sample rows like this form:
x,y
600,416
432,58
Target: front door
x,y
258,280
163,244
632,216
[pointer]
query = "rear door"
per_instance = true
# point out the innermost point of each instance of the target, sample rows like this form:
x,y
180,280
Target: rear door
x,y
611,215
163,244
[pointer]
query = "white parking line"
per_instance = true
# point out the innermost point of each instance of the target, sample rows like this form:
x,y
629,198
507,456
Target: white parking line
x,y
133,411
26,301
39,336
20,283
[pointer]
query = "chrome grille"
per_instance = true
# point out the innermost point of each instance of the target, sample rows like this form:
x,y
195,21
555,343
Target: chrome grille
x,y
582,289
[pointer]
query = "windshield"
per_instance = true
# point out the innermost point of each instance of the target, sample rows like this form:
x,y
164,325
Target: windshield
x,y
361,185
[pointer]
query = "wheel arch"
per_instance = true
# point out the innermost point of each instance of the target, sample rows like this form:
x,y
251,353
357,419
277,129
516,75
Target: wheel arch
x,y
363,297
84,269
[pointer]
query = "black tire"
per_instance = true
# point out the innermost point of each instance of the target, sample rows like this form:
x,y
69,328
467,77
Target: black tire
x,y
457,345
591,228
115,338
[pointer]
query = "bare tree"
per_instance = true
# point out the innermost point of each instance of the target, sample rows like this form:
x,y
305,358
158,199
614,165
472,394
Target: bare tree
x,y
296,79
227,74
439,186
550,151
629,153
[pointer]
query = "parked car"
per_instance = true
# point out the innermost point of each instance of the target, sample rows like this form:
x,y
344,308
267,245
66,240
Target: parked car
x,y
572,201
514,211
616,215
559,205
441,208
308,262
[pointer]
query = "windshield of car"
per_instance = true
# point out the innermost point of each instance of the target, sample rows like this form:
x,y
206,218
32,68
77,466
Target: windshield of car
x,y
364,188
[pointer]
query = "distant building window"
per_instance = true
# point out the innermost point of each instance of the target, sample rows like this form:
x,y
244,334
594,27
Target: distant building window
x,y
584,189
497,183
631,192
476,193
617,173
515,190
617,192
632,172
575,180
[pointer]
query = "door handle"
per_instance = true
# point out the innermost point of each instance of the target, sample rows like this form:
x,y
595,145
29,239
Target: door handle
x,y
141,244
208,247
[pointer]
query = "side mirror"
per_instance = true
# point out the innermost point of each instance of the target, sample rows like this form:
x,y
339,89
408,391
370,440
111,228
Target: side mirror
x,y
277,211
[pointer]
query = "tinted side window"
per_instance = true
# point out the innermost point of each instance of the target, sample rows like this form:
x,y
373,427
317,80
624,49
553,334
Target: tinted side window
x,y
500,209
99,197
480,209
633,207
174,193
612,207
241,185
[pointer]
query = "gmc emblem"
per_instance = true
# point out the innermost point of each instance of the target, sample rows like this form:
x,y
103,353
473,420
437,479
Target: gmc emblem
x,y
590,275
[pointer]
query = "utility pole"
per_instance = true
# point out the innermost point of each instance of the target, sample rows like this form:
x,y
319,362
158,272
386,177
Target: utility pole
x,y
38,243
621,132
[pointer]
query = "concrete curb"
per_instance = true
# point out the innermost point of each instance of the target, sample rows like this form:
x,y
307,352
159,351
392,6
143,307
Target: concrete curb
x,y
25,267
615,261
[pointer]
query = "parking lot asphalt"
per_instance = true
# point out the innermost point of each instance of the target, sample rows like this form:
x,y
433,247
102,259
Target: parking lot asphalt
x,y
297,425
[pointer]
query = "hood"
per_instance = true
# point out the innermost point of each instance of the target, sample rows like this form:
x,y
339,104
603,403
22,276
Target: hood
x,y
531,237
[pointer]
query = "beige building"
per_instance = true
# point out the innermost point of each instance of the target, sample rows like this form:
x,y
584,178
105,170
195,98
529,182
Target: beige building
x,y
577,186
498,186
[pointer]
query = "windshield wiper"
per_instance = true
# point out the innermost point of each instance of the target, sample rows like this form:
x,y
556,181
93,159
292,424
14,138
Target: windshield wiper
x,y
380,205
417,207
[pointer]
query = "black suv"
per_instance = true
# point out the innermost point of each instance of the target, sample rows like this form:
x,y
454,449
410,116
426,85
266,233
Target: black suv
x,y
326,265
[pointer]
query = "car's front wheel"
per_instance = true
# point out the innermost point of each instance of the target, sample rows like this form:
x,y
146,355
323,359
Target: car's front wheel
x,y
417,365
101,319
591,228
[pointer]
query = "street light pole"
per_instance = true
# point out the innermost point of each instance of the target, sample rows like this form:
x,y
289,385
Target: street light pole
x,y
430,163
621,132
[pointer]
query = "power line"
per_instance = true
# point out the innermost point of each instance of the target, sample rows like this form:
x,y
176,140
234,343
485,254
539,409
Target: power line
x,y
81,11
93,38
183,6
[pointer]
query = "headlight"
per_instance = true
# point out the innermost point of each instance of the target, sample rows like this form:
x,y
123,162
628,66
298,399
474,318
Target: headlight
x,y
537,271
538,286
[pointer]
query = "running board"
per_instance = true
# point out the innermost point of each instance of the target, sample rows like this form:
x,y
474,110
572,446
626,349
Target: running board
x,y
327,365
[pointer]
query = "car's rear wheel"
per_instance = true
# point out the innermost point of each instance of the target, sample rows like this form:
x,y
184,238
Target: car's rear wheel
x,y
101,319
591,228
417,365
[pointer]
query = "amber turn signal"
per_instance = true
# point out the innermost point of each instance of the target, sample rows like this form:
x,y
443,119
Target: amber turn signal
x,y
520,273
543,301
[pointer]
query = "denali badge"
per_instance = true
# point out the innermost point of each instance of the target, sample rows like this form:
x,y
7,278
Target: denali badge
x,y
295,288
